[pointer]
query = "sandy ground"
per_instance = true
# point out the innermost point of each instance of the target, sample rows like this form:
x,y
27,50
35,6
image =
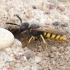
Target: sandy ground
x,y
35,57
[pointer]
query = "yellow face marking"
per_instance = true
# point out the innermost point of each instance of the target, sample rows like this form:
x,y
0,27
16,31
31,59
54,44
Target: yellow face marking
x,y
48,35
53,36
57,37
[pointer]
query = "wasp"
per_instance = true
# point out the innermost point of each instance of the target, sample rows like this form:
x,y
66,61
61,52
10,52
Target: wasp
x,y
36,32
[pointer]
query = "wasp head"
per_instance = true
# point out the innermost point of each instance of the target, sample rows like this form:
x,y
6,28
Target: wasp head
x,y
24,26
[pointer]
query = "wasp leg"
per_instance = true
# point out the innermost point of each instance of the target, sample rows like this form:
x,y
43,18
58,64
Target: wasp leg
x,y
45,44
30,40
24,39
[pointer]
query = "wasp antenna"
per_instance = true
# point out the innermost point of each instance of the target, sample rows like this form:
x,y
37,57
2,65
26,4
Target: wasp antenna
x,y
18,18
12,24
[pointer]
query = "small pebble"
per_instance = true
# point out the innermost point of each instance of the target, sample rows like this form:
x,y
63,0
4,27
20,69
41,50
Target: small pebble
x,y
27,68
61,49
8,58
6,38
28,54
17,56
38,59
64,25
27,15
4,68
61,8
54,49
43,21
25,59
51,7
2,64
34,7
17,42
40,5
35,67
67,48
56,23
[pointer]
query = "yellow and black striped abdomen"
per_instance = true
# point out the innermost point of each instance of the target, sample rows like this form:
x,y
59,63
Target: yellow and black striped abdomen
x,y
53,36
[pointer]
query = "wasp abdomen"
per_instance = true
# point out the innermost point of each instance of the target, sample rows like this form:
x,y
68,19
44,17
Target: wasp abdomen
x,y
53,36
49,35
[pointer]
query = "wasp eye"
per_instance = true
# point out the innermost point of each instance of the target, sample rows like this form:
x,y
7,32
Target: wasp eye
x,y
24,26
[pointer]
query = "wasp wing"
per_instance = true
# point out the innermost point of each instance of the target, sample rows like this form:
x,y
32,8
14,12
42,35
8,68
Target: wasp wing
x,y
54,31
